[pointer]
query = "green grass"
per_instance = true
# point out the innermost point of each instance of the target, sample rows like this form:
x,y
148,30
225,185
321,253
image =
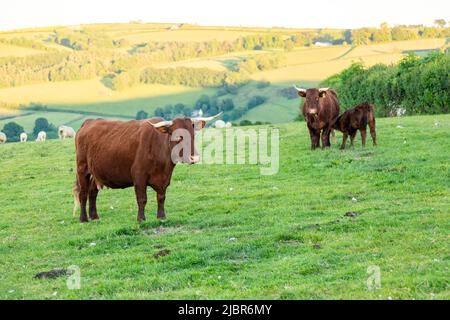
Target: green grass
x,y
56,118
292,240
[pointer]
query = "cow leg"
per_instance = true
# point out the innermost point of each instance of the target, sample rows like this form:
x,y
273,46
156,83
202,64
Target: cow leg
x,y
373,134
326,138
312,135
315,138
344,140
363,136
141,198
93,192
161,197
352,139
83,181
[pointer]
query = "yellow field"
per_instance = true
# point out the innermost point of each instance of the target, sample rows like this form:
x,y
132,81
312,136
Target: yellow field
x,y
219,63
92,96
320,63
311,55
85,91
395,47
7,50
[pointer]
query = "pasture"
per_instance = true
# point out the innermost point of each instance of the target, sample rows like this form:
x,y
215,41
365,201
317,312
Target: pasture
x,y
233,233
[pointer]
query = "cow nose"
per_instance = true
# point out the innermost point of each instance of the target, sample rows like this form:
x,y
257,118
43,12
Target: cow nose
x,y
194,159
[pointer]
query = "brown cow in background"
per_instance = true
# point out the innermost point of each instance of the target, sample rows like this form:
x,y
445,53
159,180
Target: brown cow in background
x,y
320,108
355,119
137,154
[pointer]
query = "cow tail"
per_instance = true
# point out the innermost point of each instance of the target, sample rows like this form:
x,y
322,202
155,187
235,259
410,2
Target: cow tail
x,y
76,197
333,136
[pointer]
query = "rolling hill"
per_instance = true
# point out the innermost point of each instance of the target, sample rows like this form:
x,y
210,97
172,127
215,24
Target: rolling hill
x,y
305,66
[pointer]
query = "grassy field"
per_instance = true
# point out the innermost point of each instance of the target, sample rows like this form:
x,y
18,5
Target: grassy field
x,y
232,233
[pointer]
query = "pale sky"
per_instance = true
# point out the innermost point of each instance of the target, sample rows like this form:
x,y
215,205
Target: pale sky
x,y
16,14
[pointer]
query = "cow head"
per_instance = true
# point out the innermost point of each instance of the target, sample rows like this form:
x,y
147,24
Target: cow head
x,y
182,136
312,97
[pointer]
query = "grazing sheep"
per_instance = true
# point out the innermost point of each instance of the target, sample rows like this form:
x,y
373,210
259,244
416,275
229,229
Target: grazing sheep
x,y
219,124
23,137
66,132
42,136
228,125
2,137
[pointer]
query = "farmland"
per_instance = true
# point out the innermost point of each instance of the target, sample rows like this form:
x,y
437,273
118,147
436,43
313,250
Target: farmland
x,y
233,233
305,66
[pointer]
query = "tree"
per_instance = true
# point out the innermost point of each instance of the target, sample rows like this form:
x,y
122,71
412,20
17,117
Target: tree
x,y
12,131
159,112
141,115
440,23
42,124
361,36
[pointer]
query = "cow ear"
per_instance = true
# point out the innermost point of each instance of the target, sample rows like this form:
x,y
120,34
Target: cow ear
x,y
165,129
322,94
199,125
302,94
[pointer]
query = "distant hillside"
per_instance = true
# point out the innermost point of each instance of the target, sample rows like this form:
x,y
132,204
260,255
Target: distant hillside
x,y
116,70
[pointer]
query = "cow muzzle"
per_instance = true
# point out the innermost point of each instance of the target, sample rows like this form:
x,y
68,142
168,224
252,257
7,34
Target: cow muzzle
x,y
194,159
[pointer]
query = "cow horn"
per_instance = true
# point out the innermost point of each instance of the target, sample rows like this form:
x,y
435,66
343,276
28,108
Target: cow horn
x,y
207,119
323,89
299,89
161,124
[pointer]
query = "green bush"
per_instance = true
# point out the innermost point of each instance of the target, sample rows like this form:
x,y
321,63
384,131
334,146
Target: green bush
x,y
419,85
12,131
42,124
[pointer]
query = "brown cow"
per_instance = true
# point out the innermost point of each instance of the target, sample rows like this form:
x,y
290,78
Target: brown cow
x,y
142,153
321,106
355,119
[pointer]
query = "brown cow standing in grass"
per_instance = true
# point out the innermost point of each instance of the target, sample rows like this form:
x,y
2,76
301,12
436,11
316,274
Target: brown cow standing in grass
x,y
320,108
119,155
355,119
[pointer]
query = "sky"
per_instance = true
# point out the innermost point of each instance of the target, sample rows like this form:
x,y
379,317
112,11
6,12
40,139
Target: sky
x,y
15,14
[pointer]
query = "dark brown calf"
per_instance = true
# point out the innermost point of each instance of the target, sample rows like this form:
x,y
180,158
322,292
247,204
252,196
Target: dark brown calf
x,y
355,119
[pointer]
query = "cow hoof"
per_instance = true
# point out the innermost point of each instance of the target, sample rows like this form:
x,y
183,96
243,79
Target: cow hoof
x,y
161,216
141,219
94,217
84,220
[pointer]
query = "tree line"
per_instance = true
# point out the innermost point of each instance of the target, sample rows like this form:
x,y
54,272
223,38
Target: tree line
x,y
420,85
